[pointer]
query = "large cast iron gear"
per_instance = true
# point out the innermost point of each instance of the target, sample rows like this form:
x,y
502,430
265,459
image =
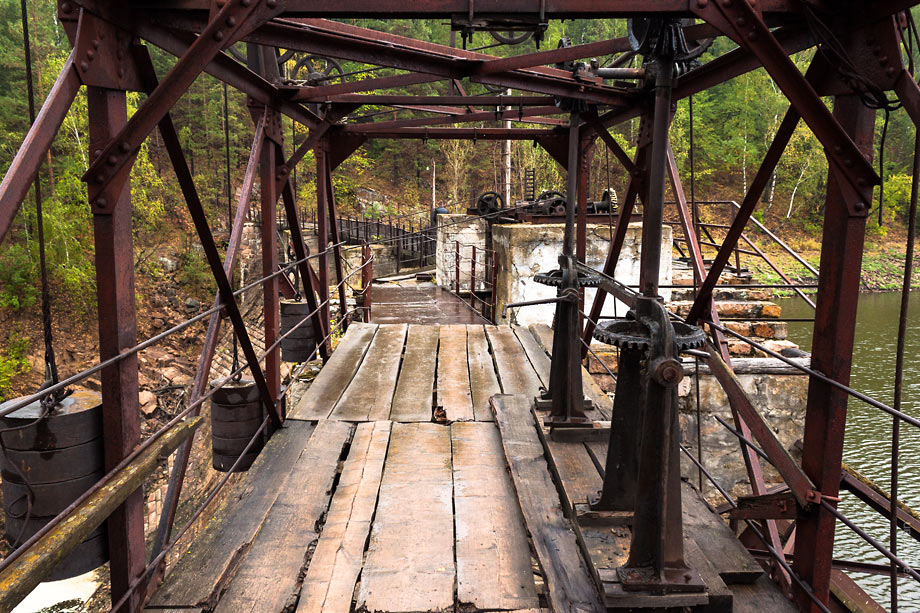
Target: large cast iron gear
x,y
554,278
633,334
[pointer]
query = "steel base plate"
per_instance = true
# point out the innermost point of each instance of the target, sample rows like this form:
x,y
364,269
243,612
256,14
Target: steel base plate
x,y
670,581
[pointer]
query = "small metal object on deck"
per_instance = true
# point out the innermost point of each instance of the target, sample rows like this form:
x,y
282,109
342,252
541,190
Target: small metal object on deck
x,y
54,459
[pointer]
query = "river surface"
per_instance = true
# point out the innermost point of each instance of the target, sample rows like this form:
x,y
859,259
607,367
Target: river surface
x,y
868,436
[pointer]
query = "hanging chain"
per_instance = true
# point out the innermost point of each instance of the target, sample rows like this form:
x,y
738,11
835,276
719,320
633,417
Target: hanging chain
x,y
236,354
51,372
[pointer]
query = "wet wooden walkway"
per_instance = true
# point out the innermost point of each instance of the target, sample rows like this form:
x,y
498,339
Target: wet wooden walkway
x,y
413,477
424,303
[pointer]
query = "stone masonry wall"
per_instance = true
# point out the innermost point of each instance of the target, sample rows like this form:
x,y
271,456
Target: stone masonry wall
x,y
780,398
468,230
523,250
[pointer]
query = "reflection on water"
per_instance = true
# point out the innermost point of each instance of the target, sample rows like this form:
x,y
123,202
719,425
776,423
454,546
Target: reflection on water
x,y
868,438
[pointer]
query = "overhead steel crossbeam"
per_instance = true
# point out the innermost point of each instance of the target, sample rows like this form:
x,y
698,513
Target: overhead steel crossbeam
x,y
427,9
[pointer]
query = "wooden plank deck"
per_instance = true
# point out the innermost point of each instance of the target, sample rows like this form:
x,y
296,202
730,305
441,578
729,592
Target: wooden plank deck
x,y
400,513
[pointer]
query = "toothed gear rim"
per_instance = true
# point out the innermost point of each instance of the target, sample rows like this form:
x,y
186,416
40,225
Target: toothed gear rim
x,y
554,278
631,334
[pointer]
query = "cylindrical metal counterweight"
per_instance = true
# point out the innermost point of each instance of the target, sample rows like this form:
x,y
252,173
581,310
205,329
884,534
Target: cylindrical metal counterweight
x,y
299,346
58,458
236,415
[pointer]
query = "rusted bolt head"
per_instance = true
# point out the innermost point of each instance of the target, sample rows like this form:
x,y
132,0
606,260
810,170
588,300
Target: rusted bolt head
x,y
90,53
702,3
124,146
97,153
741,21
667,372
859,207
100,178
231,21
95,43
66,7
271,3
218,36
102,203
245,2
84,65
111,160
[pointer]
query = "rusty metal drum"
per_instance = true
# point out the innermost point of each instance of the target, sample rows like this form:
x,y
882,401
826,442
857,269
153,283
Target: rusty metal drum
x,y
58,458
300,345
236,415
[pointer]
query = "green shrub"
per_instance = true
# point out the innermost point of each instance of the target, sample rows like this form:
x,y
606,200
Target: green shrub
x,y
12,361
18,290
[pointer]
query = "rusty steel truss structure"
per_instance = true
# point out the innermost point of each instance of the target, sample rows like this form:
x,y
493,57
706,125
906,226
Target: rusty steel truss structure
x,y
569,109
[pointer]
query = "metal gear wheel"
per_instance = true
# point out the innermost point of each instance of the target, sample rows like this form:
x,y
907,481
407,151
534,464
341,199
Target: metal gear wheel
x,y
632,334
554,278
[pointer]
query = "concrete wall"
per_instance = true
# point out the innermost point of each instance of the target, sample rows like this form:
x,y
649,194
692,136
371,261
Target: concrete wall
x,y
780,398
523,250
468,230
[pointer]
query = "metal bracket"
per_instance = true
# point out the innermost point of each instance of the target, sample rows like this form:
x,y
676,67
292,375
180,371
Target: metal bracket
x,y
740,21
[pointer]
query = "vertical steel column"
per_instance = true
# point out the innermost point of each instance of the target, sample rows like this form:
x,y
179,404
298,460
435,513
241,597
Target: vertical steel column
x,y
367,280
473,278
654,207
117,331
457,268
832,353
323,230
270,303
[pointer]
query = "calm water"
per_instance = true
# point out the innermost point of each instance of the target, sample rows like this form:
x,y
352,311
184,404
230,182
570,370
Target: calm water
x,y
868,440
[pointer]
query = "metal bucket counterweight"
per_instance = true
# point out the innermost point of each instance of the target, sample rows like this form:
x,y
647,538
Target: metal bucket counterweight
x,y
58,458
236,415
300,345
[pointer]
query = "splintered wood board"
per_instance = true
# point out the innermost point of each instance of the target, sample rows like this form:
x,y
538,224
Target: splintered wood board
x,y
336,373
369,396
454,394
203,571
483,380
413,400
539,359
267,579
716,540
329,584
410,558
603,405
493,559
515,372
579,475
568,580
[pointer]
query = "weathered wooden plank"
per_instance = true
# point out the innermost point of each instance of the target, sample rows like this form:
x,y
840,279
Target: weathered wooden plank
x,y
410,560
759,597
579,475
515,372
329,584
544,337
483,380
454,394
493,559
336,373
568,580
369,396
539,359
716,540
720,596
268,578
203,571
413,398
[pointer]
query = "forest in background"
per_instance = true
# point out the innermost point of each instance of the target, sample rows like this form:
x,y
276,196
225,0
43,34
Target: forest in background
x,y
733,124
